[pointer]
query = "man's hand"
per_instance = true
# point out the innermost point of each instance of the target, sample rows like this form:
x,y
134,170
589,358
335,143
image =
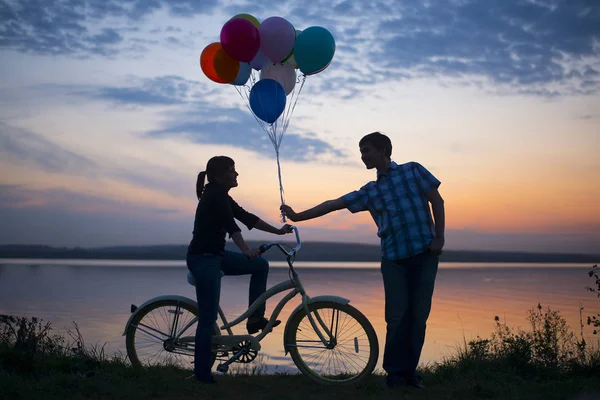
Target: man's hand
x,y
287,228
252,253
436,245
289,212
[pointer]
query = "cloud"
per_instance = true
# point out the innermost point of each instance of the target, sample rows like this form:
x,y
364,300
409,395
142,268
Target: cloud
x,y
60,217
162,90
27,147
20,146
65,26
16,196
516,43
562,242
535,47
203,121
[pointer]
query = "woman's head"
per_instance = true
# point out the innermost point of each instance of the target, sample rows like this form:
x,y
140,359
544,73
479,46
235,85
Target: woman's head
x,y
219,169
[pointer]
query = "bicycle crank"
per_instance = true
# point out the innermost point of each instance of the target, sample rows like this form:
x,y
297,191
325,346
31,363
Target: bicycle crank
x,y
248,353
242,353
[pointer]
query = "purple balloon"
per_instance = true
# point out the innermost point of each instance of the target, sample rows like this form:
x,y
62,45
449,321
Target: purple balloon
x,y
259,61
277,38
240,39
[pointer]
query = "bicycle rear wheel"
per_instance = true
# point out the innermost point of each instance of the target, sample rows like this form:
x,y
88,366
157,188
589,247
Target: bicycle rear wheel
x,y
351,353
162,333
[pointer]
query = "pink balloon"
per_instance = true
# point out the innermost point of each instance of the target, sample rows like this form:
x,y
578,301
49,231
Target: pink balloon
x,y
240,39
259,61
277,38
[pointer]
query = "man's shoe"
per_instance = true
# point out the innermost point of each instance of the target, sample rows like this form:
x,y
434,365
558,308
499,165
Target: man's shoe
x,y
210,380
395,381
254,327
415,382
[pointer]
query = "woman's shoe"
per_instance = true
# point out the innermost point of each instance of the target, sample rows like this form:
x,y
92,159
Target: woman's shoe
x,y
254,327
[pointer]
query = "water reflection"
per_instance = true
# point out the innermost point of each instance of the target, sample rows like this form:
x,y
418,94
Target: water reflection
x,y
466,300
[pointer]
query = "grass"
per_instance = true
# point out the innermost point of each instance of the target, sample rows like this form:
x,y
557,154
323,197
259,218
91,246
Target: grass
x,y
546,362
117,380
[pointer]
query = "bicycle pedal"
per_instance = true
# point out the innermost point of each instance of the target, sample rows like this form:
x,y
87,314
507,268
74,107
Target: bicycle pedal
x,y
222,368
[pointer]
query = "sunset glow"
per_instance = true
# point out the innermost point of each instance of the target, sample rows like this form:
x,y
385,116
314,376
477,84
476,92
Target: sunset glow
x,y
109,132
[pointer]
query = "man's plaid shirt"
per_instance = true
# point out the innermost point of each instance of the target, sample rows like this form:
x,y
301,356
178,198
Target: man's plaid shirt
x,y
397,203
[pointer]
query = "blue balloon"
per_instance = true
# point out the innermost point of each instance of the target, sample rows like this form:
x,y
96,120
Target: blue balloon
x,y
267,100
243,75
314,50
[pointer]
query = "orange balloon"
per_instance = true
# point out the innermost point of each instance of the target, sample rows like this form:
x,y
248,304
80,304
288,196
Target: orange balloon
x,y
217,65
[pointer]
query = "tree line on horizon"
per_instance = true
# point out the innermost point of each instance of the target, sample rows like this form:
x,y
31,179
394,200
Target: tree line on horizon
x,y
311,251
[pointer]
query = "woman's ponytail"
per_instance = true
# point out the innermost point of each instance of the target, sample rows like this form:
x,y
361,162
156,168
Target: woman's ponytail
x,y
200,184
215,167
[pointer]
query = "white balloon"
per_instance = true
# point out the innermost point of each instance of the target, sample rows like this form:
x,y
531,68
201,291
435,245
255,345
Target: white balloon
x,y
285,74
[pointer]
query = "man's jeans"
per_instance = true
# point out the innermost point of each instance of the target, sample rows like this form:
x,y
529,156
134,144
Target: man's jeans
x,y
206,269
408,285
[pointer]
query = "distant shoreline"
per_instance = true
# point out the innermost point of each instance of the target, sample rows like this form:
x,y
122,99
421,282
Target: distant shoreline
x,y
311,251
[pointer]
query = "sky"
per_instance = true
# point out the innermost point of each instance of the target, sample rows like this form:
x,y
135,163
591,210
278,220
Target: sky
x,y
106,119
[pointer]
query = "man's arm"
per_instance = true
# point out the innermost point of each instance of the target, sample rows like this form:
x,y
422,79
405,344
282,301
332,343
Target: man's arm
x,y
439,219
315,212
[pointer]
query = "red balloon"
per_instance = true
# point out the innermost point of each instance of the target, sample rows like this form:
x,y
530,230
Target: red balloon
x,y
217,65
240,39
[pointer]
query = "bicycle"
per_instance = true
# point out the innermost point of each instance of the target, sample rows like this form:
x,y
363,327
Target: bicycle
x,y
329,340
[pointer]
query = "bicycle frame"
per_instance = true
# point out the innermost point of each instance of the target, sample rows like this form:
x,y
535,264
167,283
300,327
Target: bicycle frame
x,y
293,284
243,348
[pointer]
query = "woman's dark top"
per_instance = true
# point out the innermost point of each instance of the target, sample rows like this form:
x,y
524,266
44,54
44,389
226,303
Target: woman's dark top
x,y
214,218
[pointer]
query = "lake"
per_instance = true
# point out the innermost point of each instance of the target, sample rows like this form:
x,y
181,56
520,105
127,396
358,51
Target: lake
x,y
97,294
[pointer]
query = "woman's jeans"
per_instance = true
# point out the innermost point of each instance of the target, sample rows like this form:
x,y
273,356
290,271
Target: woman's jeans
x,y
206,269
408,285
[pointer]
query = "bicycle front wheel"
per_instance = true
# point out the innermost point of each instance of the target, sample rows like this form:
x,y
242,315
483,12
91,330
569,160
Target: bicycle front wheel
x,y
350,353
162,333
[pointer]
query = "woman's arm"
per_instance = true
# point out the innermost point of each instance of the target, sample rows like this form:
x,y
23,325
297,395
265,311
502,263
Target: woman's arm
x,y
265,227
239,241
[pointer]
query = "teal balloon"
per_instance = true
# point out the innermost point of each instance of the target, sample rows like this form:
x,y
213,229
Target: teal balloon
x,y
243,75
314,50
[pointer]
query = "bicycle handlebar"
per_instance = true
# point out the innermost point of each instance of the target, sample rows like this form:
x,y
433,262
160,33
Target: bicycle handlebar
x,y
289,253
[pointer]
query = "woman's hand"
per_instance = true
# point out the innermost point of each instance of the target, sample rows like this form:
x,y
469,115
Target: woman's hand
x,y
289,212
252,253
287,228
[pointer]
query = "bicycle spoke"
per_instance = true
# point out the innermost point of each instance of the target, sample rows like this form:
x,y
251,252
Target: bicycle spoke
x,y
157,332
348,351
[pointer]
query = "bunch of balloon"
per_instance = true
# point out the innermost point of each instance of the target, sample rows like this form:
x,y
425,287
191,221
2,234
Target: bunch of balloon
x,y
267,63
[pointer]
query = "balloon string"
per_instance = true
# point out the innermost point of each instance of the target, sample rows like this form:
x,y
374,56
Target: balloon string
x,y
287,123
287,108
260,123
271,129
280,183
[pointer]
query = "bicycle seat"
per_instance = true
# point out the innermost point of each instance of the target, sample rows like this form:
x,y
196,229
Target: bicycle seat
x,y
192,281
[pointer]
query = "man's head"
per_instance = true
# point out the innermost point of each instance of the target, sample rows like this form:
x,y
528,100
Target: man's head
x,y
375,150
